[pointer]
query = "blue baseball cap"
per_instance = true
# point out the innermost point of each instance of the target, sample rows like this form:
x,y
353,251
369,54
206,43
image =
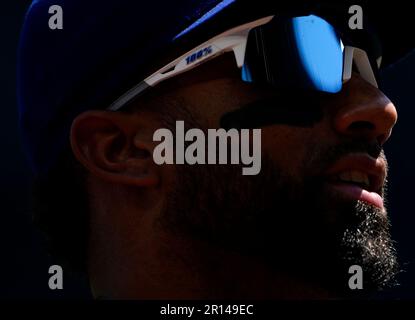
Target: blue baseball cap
x,y
106,47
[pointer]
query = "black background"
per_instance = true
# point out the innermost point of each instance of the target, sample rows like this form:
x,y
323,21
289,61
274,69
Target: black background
x,y
24,263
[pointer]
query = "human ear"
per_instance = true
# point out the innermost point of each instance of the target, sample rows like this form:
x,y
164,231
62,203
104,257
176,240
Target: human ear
x,y
110,146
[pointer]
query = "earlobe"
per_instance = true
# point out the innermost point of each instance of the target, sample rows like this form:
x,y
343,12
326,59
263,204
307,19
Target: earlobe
x,y
106,144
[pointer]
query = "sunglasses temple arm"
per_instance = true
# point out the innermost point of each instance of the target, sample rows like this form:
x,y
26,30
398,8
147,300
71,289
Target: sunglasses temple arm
x,y
129,96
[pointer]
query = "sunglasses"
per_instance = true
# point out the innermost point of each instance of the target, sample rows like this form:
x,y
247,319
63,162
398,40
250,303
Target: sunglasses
x,y
300,53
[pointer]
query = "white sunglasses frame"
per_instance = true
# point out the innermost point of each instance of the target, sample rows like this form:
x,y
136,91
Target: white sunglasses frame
x,y
236,40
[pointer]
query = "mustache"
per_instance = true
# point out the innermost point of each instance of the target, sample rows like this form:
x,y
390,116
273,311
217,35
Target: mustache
x,y
323,159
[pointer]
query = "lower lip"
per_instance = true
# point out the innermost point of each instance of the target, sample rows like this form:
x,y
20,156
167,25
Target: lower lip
x,y
357,193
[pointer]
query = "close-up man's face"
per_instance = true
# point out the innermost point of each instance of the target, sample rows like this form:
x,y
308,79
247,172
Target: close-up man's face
x,y
318,205
218,149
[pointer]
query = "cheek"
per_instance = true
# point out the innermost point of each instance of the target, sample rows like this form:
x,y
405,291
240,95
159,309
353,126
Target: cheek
x,y
288,148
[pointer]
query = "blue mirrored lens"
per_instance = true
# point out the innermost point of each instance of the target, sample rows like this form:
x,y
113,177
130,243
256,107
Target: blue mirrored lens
x,y
320,52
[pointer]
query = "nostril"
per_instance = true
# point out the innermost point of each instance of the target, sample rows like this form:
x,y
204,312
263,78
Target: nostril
x,y
361,125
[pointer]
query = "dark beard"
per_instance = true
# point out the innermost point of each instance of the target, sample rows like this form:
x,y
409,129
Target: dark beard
x,y
286,224
366,242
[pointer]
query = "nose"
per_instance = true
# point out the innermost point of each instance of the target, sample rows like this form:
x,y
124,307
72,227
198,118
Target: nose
x,y
364,112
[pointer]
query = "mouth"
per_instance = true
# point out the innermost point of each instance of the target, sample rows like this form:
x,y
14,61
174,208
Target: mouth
x,y
358,177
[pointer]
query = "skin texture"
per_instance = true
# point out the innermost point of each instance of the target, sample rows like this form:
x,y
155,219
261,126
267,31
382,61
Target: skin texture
x,y
145,241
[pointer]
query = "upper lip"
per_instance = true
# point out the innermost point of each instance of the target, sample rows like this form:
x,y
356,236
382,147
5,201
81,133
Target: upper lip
x,y
374,168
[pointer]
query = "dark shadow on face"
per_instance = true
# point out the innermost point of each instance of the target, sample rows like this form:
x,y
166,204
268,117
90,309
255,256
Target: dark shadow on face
x,y
288,108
